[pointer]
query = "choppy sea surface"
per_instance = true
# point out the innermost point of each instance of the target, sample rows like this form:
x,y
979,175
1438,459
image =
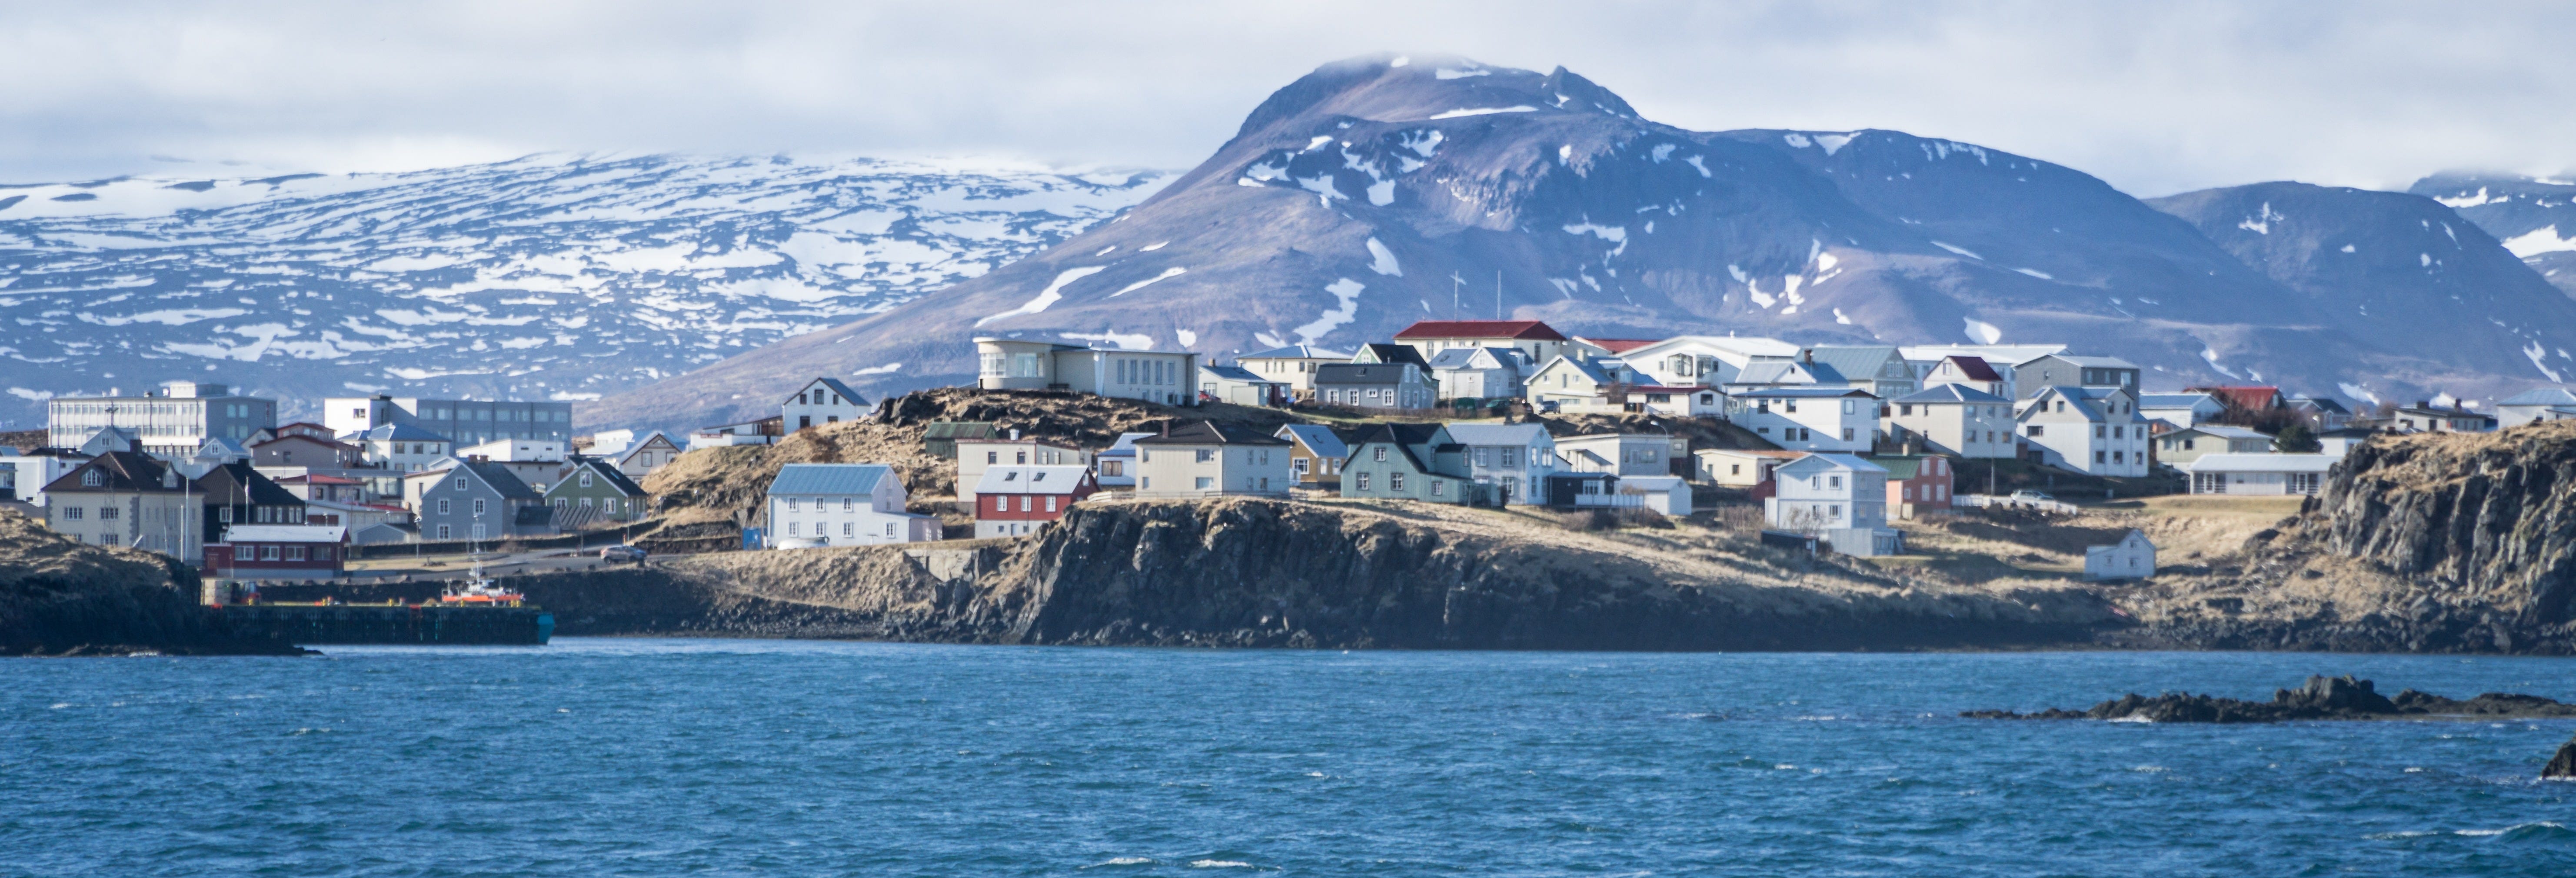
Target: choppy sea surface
x,y
663,757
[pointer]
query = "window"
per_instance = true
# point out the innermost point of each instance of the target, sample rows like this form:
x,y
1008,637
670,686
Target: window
x,y
2097,431
1050,504
460,483
107,512
1438,487
2097,457
442,510
889,528
1378,453
2035,429
585,480
1205,483
1510,455
445,533
1395,481
1364,480
992,457
1023,458
1835,510
1001,504
1847,434
1833,481
1206,455
92,478
847,529
295,553
478,506
791,528
268,553
849,504
1024,503
251,553
791,505
1484,457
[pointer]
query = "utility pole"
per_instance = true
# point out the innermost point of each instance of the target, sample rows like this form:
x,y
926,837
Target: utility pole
x,y
1498,294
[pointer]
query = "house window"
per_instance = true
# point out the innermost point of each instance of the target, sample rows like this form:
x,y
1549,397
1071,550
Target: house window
x,y
1438,487
2097,457
791,504
889,528
1364,480
1395,481
1206,455
1205,483
460,483
93,479
442,510
847,529
585,480
268,553
1001,504
295,553
446,533
107,512
2035,429
250,553
1378,453
849,504
1050,504
1024,503
791,528
478,506
992,457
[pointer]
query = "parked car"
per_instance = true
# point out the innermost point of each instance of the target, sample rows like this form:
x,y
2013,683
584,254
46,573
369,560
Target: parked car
x,y
2032,496
621,553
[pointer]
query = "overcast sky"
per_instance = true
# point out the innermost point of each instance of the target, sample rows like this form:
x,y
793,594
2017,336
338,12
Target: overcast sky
x,y
2154,97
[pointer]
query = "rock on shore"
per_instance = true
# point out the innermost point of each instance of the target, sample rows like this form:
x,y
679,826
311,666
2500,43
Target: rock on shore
x,y
1248,572
2322,698
61,597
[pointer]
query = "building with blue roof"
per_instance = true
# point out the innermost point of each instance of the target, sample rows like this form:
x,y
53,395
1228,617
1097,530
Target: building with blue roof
x,y
841,504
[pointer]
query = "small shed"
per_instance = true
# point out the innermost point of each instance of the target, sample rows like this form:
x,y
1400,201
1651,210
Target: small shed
x,y
940,437
2133,557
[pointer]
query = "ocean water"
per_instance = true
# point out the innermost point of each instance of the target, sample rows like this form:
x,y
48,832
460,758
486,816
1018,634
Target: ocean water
x,y
664,757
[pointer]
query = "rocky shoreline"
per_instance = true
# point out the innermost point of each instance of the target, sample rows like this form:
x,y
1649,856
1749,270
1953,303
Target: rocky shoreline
x,y
64,598
2321,698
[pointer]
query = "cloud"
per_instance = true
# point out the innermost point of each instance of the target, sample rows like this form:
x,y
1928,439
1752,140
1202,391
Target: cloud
x,y
2155,98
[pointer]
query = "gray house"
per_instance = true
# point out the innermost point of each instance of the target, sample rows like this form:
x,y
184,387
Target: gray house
x,y
2032,378
475,500
1515,458
1478,373
1412,462
1393,386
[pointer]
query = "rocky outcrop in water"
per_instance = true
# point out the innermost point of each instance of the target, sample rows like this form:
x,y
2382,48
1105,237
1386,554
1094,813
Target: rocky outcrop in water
x,y
2563,765
61,597
2321,698
1241,572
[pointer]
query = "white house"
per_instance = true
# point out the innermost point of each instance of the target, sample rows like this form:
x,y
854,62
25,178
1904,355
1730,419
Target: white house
x,y
2180,409
2342,440
1208,459
2091,430
1837,496
1533,339
2536,404
1808,418
1293,365
1240,386
1679,402
639,459
1702,360
2133,557
2258,474
1478,373
1515,457
821,401
1740,468
975,455
2177,447
1964,369
1167,377
1957,419
1670,495
1622,454
843,504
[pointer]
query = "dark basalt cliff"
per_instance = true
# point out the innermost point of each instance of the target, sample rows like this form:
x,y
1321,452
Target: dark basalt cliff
x,y
2491,519
1265,573
60,597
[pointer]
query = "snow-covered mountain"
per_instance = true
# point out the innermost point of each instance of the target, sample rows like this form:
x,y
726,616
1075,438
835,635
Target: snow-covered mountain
x,y
547,277
2535,217
1377,191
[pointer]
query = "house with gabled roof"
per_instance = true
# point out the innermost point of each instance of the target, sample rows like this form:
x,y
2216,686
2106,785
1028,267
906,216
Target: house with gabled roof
x,y
1839,497
1879,369
1969,370
2258,474
1015,501
2424,417
841,504
235,493
1390,353
1514,458
1315,455
1823,418
1386,386
2179,410
593,490
1240,386
2177,447
640,458
1209,459
1479,373
1534,339
1115,467
2070,370
1293,365
1714,361
1956,418
2536,404
821,401
1916,481
475,500
128,498
2091,430
1569,384
1411,462
2254,399
1766,374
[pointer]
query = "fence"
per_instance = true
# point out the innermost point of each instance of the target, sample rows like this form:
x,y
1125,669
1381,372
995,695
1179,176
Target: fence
x,y
1994,502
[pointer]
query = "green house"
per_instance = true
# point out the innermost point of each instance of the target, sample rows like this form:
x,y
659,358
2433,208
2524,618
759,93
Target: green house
x,y
1411,462
940,437
592,491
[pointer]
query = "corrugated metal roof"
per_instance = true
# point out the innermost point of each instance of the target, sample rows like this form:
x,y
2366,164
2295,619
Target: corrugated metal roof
x,y
1515,329
1843,460
284,533
1296,352
829,478
1317,438
2222,431
1497,434
1032,480
1950,393
2259,463
2541,396
1235,373
2174,400
1211,433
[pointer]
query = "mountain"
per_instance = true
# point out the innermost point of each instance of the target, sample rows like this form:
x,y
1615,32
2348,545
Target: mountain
x,y
2536,218
547,277
2390,271
1377,191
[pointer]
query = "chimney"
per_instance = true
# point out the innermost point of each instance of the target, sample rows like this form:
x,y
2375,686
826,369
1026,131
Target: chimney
x,y
1167,429
1807,356
1015,434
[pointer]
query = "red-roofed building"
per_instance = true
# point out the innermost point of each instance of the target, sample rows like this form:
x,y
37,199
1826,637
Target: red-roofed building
x,y
2255,399
1532,338
1617,346
1971,371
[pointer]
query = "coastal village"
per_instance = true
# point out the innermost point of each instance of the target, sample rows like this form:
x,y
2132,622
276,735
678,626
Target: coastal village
x,y
1820,447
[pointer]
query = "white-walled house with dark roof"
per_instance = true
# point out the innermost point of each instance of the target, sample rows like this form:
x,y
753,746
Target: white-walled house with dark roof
x,y
1808,418
842,504
821,401
2091,430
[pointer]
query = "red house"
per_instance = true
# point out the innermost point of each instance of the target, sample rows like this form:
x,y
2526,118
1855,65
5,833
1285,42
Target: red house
x,y
279,551
1013,501
1916,480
